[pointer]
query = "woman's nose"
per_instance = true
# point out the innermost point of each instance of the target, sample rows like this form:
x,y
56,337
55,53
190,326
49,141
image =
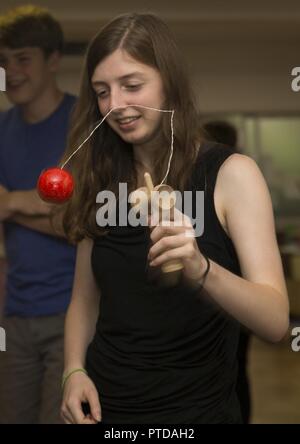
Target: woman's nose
x,y
117,100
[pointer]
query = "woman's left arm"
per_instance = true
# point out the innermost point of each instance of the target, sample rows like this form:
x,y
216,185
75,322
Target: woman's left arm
x,y
259,299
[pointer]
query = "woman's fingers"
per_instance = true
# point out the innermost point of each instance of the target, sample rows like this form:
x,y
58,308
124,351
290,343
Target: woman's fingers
x,y
67,419
89,420
93,400
75,410
73,414
180,223
162,231
167,243
66,416
183,252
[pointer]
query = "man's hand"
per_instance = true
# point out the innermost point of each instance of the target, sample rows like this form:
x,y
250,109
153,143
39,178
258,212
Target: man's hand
x,y
28,203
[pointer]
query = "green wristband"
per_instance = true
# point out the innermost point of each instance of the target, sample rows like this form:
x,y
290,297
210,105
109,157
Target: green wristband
x,y
66,377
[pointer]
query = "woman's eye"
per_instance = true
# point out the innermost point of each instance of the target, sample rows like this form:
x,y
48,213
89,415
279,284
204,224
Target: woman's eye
x,y
133,86
101,93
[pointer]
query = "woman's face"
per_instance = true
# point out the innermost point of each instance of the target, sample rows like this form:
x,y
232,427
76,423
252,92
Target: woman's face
x,y
120,80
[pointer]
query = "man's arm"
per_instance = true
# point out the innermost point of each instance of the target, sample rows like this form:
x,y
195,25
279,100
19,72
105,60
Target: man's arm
x,y
27,209
26,202
5,204
41,223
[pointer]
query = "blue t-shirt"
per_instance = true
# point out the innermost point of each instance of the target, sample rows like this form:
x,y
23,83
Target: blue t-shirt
x,y
40,266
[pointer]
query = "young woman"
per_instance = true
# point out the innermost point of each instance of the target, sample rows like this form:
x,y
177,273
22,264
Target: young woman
x,y
135,351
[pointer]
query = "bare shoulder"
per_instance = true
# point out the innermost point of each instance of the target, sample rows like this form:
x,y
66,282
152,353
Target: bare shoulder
x,y
239,182
239,167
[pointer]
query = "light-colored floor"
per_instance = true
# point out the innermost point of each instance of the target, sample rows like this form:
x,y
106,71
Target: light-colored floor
x,y
274,372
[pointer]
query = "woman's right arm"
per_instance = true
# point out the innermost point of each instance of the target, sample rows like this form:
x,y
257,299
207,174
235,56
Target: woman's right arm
x,y
80,326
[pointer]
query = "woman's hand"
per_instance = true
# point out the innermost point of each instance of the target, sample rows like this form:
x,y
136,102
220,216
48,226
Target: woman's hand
x,y
175,239
78,389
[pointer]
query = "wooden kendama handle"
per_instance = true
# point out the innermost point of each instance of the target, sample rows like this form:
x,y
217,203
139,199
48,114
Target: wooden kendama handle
x,y
140,200
149,183
173,265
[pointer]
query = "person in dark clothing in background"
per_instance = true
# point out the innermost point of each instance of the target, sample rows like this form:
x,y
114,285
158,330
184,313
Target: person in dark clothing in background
x,y
224,132
40,261
221,132
135,351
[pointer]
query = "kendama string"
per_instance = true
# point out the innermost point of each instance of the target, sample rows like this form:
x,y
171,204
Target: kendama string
x,y
121,107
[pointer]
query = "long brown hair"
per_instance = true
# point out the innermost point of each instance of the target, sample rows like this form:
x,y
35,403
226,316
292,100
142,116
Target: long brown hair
x,y
106,160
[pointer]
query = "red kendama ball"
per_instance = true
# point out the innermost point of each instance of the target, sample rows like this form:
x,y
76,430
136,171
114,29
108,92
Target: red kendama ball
x,y
55,185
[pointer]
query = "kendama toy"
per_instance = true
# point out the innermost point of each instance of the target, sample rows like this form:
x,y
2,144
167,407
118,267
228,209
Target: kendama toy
x,y
159,201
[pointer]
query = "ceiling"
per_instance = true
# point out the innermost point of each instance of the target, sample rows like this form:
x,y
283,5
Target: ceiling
x,y
202,20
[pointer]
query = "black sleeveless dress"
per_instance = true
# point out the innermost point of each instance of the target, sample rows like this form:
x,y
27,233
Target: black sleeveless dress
x,y
164,355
